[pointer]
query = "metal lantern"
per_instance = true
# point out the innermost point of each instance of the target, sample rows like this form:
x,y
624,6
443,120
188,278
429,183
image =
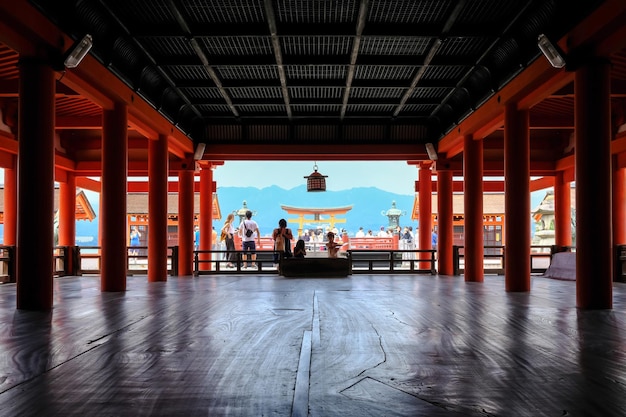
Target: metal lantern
x,y
393,214
316,181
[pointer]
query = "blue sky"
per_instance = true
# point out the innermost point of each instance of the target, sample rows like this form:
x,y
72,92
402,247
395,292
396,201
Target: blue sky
x,y
393,176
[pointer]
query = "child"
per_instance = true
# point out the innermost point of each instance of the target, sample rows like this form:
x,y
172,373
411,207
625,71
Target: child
x,y
331,246
299,251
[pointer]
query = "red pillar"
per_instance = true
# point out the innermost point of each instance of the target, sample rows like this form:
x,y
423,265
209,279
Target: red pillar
x,y
426,210
619,206
10,206
157,209
445,220
113,198
516,199
185,222
67,211
206,211
473,202
35,197
562,210
67,219
619,213
593,186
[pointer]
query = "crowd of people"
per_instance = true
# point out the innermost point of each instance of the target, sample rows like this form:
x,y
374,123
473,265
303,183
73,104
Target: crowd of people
x,y
287,244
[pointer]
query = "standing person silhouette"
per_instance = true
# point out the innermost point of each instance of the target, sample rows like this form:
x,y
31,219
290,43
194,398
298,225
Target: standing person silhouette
x,y
134,242
282,236
229,231
249,230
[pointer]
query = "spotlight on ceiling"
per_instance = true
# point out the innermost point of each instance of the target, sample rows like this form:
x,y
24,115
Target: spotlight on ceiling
x,y
316,181
432,153
551,51
199,153
78,51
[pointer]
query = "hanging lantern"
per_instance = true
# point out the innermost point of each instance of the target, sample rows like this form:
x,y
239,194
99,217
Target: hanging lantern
x,y
316,181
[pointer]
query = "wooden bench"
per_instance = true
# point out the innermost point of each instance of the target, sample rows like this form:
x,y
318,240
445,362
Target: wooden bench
x,y
315,267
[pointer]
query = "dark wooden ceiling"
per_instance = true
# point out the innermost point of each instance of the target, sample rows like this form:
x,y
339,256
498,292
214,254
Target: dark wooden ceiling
x,y
318,76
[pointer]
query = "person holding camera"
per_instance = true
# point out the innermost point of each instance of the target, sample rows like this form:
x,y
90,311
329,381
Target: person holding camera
x,y
282,236
248,231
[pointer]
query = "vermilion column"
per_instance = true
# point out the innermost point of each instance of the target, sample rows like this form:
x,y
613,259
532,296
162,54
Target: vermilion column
x,y
35,197
157,209
516,199
206,211
67,211
10,207
562,210
593,186
67,219
426,210
113,198
619,213
185,222
473,202
619,206
445,220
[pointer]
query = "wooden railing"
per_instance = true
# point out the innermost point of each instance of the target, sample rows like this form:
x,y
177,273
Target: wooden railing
x,y
89,260
368,255
494,259
7,264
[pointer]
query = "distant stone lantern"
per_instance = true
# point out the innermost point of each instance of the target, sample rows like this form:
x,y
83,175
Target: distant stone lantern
x,y
393,214
316,181
241,213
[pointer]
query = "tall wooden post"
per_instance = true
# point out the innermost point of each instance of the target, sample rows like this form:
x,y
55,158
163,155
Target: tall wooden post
x,y
594,238
445,220
517,199
113,198
185,222
206,211
10,206
473,202
157,209
67,219
426,210
562,210
35,167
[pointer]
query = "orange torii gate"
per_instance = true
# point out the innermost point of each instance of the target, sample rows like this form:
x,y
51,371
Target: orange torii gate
x,y
317,214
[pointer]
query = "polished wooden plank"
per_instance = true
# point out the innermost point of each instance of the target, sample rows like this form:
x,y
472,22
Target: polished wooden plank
x,y
379,345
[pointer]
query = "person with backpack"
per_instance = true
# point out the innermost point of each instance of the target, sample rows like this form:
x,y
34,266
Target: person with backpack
x,y
248,231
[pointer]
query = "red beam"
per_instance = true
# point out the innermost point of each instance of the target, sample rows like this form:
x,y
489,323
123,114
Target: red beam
x,y
328,152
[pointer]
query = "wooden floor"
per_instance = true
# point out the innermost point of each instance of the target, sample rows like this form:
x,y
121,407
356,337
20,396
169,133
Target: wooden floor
x,y
272,346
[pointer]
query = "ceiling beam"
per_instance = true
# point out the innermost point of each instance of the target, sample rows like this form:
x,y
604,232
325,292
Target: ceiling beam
x,y
356,45
278,55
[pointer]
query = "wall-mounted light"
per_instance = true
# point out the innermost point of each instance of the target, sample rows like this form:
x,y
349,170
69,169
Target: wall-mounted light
x,y
199,153
551,51
432,153
78,51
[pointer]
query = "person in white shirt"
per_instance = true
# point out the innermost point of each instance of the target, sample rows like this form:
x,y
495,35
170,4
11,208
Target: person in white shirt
x,y
360,233
382,232
248,231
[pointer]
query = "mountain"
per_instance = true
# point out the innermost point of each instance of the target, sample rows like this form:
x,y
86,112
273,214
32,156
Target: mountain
x,y
367,203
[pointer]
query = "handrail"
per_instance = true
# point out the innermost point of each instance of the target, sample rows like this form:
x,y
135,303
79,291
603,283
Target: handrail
x,y
540,251
211,262
7,264
89,259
